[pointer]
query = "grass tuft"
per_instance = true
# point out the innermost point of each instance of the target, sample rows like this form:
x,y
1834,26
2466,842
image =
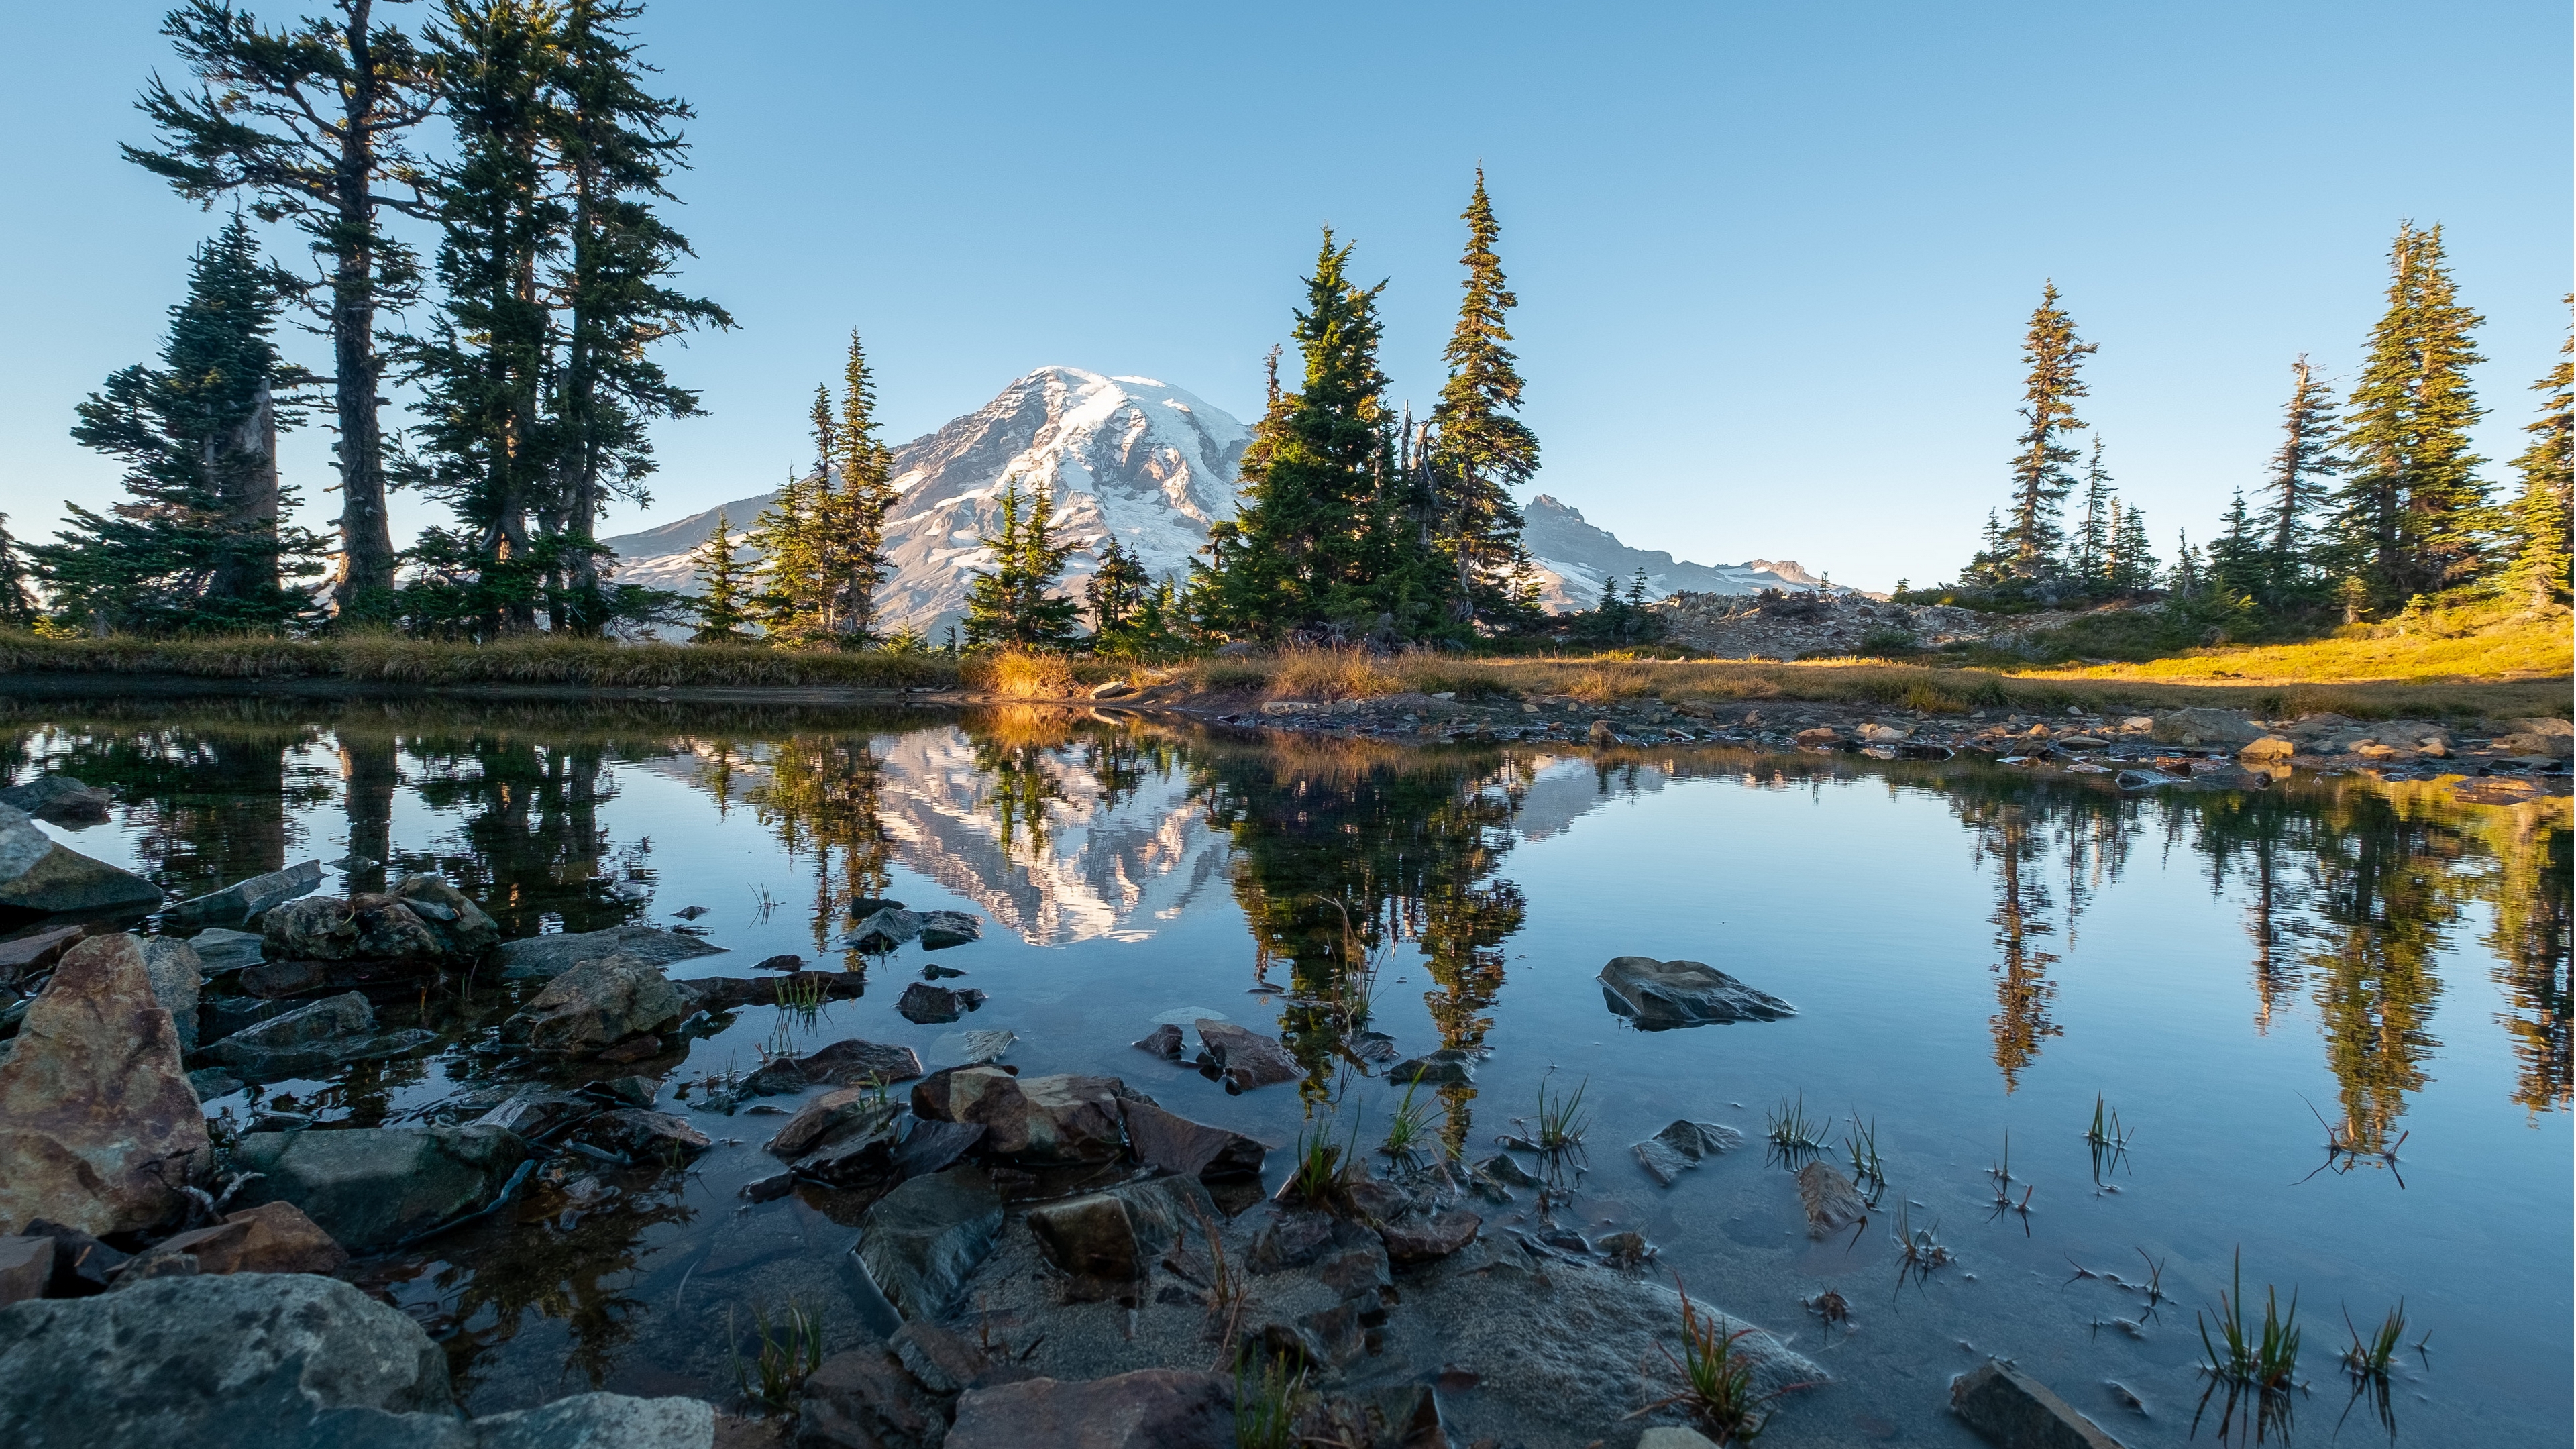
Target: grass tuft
x,y
1265,1404
1562,1120
789,1352
1717,1386
2264,1358
1791,1130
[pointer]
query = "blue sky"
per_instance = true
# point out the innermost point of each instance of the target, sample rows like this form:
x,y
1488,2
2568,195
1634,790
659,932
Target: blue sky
x,y
1773,260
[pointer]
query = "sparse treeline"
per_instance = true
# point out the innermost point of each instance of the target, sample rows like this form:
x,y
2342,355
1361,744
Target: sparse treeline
x,y
2371,503
536,380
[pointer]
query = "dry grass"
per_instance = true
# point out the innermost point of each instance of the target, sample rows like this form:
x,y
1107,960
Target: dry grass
x,y
541,660
1019,674
2453,647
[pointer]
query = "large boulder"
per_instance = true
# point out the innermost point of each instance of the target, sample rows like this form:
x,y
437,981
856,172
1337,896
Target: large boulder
x,y
38,875
372,1187
1109,1241
241,1362
919,1242
866,1399
1146,1409
59,799
314,1039
423,921
1660,995
242,900
1183,1148
2207,727
597,1005
538,957
99,1129
1035,1121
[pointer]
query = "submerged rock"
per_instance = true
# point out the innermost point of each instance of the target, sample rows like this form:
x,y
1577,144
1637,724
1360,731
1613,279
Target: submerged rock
x,y
1660,995
59,800
99,1129
422,922
1037,1121
1679,1147
312,1040
943,929
1243,1058
1146,1409
372,1187
602,1421
919,1242
242,900
1829,1198
538,957
38,875
2015,1411
226,1362
1447,1067
597,1005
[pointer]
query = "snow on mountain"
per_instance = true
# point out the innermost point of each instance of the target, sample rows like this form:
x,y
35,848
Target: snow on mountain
x,y
1123,456
1574,558
1147,462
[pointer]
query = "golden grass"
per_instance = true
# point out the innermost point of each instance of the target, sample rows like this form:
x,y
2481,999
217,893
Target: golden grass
x,y
2450,648
540,660
1019,674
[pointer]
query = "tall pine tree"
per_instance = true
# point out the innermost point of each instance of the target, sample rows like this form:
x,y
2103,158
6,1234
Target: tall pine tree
x,y
2412,514
2301,474
1311,541
2538,521
310,121
1016,603
2055,357
1482,451
866,496
723,606
202,541
2236,559
614,146
2092,541
1115,593
2130,566
17,601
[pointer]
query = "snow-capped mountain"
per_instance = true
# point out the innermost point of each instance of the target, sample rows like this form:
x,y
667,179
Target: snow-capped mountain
x,y
1144,461
1123,456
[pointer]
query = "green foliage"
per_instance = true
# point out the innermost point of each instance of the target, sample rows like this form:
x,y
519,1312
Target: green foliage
x,y
2538,520
1480,451
201,543
17,603
1717,1387
2265,1359
2028,542
2411,517
1116,595
722,610
1016,603
1266,1403
788,1353
2297,490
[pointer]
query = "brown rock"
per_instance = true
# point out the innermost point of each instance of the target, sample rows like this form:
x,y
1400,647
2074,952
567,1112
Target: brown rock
x,y
282,1240
98,1127
26,1266
1245,1058
1147,1409
2016,1411
1039,1120
1185,1148
2271,749
846,1111
1115,1236
1420,1239
597,1005
864,1399
1163,1041
1819,735
1829,1198
30,954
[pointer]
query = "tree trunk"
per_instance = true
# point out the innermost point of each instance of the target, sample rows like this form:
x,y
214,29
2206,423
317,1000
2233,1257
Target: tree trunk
x,y
369,771
366,536
243,466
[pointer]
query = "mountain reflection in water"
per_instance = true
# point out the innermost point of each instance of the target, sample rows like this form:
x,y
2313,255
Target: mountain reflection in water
x,y
1366,876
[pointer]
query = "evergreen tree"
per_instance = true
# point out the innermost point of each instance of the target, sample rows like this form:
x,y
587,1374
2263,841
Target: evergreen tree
x,y
866,495
2237,560
789,603
2040,477
2412,514
1116,595
723,609
1992,563
1016,602
2298,486
2188,574
2130,567
2093,536
1482,450
17,602
484,369
614,147
310,121
2539,519
201,542
1312,541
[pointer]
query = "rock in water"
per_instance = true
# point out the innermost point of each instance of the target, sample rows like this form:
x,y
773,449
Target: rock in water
x,y
596,1005
1447,1067
1244,1058
176,974
919,1242
884,930
98,1127
602,1421
59,799
311,1040
242,900
1146,1409
214,1363
1184,1148
1679,1147
1109,1240
924,1004
373,1187
38,875
1830,1199
2016,1411
943,929
422,921
538,957
1660,995
1037,1122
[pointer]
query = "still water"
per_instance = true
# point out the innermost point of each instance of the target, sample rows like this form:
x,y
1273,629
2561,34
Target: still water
x,y
1976,956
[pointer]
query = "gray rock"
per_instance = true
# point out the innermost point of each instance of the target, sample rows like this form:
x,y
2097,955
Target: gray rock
x,y
538,957
314,1039
2015,1411
848,1063
865,1399
1674,1436
884,930
1037,1121
176,974
99,1129
1163,1041
242,900
845,1112
234,1362
1661,995
602,1421
2208,726
646,1136
1679,1147
1447,1067
1244,1058
597,1005
535,1112
918,1243
221,950
923,1004
1146,1409
1183,1148
212,1082
377,1186
59,799
943,929
25,956
1112,689
1108,1241
1424,1238
26,1266
1829,1198
38,875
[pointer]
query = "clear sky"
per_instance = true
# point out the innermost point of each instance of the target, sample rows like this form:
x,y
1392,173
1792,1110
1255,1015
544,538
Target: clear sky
x,y
1773,260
